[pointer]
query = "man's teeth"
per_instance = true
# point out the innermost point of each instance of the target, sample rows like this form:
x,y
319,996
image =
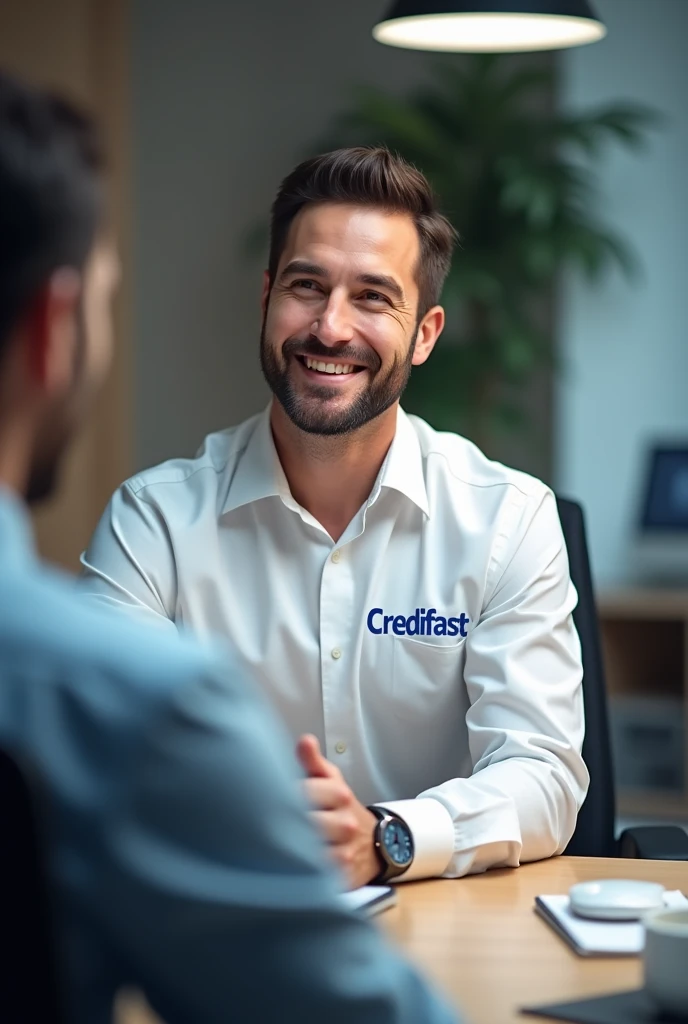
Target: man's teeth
x,y
314,364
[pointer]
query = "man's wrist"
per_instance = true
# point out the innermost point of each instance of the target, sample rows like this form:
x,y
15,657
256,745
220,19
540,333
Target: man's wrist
x,y
393,842
432,829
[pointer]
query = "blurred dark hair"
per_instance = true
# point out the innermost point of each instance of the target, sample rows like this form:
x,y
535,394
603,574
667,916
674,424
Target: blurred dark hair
x,y
374,177
51,195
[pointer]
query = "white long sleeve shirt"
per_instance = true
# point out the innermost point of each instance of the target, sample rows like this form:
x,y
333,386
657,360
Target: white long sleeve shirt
x,y
431,649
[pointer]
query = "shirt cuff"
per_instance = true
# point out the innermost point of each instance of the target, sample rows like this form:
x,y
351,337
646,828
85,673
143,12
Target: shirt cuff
x,y
432,830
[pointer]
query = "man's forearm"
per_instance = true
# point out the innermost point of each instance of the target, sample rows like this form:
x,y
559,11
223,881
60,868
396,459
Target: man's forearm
x,y
516,810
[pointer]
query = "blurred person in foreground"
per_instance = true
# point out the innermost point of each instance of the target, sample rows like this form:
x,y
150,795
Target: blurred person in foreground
x,y
180,851
404,601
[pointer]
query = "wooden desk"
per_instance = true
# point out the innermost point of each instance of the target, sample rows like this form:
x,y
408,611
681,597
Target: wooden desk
x,y
481,941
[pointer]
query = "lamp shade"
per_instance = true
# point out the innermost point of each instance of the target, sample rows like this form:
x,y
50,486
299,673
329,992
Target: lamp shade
x,y
489,26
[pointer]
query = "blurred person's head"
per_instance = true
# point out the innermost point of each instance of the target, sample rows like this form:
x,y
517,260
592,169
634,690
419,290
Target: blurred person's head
x,y
358,257
57,275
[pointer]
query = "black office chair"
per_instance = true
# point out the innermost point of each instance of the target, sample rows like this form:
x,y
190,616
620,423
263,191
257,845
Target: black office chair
x,y
29,987
594,835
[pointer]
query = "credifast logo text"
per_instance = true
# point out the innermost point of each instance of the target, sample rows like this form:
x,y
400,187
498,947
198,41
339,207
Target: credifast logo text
x,y
420,623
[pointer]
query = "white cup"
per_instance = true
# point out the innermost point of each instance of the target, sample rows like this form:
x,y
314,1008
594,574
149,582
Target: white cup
x,y
665,959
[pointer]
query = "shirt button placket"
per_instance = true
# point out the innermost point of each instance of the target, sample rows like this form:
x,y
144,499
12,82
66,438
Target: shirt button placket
x,y
336,625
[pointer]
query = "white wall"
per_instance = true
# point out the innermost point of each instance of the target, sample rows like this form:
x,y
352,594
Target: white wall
x,y
227,96
626,347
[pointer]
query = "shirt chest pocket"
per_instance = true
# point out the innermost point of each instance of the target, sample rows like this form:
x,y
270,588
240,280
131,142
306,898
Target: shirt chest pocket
x,y
427,678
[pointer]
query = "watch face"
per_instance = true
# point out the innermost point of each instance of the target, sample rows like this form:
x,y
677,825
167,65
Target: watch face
x,y
398,843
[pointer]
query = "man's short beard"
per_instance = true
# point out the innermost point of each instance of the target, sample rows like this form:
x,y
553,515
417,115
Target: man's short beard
x,y
46,466
379,395
60,426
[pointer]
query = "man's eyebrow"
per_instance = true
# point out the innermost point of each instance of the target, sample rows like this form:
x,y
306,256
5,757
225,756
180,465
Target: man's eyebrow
x,y
303,267
383,281
374,280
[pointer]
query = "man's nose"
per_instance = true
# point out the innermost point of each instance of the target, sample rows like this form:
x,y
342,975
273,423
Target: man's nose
x,y
335,325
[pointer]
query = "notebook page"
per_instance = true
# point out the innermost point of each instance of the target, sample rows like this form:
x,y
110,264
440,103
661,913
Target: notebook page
x,y
598,937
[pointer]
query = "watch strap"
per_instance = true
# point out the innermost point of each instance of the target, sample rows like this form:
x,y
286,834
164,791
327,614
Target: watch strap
x,y
388,869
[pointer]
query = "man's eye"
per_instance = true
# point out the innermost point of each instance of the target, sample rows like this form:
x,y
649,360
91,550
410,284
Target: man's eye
x,y
308,285
374,297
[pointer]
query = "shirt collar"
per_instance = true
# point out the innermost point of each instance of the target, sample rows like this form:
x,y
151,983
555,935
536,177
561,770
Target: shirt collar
x,y
259,472
402,469
16,538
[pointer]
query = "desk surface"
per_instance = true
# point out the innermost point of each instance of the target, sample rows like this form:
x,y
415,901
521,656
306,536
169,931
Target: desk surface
x,y
481,941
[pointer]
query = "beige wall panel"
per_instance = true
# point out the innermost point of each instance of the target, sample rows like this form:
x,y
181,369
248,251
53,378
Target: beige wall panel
x,y
81,48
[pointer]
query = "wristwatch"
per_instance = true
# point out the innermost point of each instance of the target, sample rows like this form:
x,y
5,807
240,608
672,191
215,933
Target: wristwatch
x,y
393,844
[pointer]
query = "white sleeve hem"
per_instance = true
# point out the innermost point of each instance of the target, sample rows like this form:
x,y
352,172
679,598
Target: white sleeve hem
x,y
432,829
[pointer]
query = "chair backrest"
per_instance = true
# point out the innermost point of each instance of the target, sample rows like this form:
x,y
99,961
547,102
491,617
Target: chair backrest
x,y
29,989
594,835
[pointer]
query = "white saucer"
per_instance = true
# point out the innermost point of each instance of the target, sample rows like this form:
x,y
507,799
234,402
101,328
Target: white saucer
x,y
616,899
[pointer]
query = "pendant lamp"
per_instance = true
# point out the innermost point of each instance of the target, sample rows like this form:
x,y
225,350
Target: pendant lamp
x,y
489,26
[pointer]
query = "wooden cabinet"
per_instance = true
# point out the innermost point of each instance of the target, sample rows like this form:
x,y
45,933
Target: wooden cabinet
x,y
645,642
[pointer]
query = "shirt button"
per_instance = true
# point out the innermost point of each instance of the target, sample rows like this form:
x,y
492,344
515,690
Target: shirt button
x,y
336,653
340,747
336,555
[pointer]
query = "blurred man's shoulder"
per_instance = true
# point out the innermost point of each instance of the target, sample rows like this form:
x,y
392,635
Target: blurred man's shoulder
x,y
50,635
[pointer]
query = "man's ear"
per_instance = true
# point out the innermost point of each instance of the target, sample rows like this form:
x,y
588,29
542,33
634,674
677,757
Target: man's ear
x,y
429,330
266,293
51,330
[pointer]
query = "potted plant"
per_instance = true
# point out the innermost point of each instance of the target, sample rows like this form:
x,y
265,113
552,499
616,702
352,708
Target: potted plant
x,y
516,178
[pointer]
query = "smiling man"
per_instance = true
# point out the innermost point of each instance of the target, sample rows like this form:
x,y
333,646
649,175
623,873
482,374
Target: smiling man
x,y
404,602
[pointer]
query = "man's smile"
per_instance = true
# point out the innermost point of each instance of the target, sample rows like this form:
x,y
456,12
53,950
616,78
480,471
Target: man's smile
x,y
330,371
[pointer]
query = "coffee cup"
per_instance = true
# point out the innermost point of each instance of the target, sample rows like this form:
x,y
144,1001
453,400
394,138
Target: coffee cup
x,y
665,959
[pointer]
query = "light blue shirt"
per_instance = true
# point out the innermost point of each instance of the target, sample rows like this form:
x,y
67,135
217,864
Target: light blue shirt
x,y
180,851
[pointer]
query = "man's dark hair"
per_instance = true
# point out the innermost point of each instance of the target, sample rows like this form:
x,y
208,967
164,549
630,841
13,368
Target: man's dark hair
x,y
51,194
374,177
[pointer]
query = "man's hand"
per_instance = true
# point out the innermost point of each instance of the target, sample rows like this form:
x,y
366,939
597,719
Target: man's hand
x,y
346,824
